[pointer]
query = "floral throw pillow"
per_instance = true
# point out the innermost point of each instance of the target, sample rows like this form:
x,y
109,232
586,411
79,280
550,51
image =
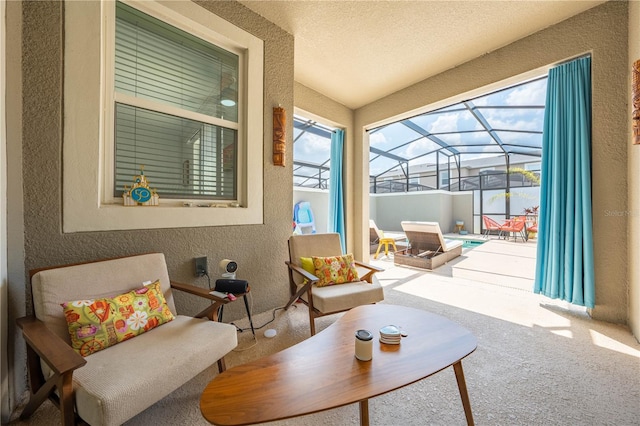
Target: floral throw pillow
x,y
335,270
99,323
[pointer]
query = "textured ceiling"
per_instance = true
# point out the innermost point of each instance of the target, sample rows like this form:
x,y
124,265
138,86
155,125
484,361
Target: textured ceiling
x,y
356,52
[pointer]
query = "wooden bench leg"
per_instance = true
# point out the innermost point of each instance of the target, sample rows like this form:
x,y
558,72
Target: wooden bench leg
x,y
64,384
67,403
462,386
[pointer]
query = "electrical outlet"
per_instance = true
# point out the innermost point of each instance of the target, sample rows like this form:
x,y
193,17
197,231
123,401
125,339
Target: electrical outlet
x,y
201,266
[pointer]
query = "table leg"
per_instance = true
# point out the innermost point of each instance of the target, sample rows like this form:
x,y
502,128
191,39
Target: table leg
x,y
246,305
462,386
364,412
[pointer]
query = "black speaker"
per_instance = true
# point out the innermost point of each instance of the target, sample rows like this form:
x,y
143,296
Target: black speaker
x,y
232,286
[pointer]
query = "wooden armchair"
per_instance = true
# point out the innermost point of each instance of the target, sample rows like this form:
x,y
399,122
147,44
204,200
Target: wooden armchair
x,y
330,299
111,385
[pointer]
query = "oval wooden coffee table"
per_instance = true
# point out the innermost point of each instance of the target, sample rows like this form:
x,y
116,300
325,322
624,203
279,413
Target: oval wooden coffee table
x,y
322,373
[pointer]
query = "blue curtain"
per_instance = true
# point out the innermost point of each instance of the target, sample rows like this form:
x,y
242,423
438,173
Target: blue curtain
x,y
564,269
336,202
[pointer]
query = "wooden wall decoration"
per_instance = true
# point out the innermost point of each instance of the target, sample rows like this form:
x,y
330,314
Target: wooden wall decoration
x,y
635,97
279,136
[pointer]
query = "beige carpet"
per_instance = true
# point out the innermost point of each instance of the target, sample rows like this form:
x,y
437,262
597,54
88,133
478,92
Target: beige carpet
x,y
537,362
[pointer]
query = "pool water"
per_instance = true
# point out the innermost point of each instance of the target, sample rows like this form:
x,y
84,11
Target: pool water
x,y
471,243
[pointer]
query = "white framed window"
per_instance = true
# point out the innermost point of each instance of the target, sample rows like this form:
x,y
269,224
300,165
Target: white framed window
x,y
443,178
177,91
176,109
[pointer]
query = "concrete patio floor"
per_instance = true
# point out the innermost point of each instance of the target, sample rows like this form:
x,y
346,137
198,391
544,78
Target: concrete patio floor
x,y
504,263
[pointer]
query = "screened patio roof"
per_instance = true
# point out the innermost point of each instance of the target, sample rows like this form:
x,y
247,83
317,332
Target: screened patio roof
x,y
501,123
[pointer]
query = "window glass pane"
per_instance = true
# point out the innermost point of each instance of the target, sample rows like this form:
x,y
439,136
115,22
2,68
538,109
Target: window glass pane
x,y
159,62
182,158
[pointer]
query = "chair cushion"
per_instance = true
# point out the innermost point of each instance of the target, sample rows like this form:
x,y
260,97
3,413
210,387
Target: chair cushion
x,y
335,270
119,383
96,324
336,298
307,265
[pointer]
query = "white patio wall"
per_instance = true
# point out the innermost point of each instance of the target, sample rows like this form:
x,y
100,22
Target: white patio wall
x,y
388,210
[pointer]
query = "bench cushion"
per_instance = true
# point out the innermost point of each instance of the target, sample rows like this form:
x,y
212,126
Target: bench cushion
x,y
120,382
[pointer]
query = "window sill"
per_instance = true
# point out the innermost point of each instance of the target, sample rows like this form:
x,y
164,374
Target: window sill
x,y
119,217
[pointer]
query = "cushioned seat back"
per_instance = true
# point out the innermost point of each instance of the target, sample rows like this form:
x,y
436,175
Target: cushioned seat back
x,y
320,245
108,278
373,230
427,236
424,235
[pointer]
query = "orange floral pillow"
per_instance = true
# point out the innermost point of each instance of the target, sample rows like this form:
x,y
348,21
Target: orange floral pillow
x,y
99,323
335,270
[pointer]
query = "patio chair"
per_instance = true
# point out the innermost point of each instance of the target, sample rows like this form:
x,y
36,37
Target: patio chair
x,y
328,291
303,218
517,225
384,239
491,225
427,237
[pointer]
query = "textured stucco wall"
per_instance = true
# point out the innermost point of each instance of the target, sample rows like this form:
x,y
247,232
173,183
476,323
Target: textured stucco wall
x,y
634,187
260,250
15,218
602,31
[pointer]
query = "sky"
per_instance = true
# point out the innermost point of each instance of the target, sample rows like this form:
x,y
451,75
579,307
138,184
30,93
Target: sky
x,y
511,113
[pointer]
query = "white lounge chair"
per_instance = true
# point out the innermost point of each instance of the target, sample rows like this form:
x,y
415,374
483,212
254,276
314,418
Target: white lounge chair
x,y
426,241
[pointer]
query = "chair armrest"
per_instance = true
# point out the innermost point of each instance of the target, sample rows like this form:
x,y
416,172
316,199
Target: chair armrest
x,y
213,311
306,274
57,353
368,266
310,279
368,277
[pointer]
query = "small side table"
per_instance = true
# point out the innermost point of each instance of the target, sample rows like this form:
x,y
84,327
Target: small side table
x,y
246,306
215,310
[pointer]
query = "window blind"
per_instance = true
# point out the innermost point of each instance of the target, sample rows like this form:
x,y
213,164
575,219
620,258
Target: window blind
x,y
182,157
